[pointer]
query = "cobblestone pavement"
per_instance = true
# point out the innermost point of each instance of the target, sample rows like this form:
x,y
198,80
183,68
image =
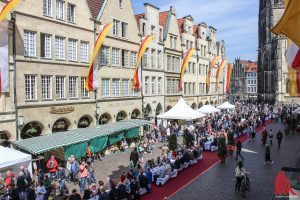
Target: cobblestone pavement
x,y
114,165
219,181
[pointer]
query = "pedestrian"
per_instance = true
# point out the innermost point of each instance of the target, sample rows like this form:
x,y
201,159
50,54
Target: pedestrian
x,y
271,137
83,175
52,166
22,185
268,155
239,173
40,192
238,150
264,135
31,192
134,156
74,169
279,138
61,178
75,195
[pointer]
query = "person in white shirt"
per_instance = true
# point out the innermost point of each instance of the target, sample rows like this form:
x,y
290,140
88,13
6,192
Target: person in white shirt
x,y
40,191
239,173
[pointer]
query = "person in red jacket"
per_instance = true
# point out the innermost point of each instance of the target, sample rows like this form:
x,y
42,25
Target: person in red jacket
x,y
52,166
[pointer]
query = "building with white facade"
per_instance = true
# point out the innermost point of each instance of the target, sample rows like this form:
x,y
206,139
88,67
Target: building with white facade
x,y
251,80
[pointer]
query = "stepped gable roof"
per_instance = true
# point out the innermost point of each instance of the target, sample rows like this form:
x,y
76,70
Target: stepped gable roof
x,y
95,7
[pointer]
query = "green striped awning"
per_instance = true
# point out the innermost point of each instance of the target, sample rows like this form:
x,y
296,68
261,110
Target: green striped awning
x,y
41,144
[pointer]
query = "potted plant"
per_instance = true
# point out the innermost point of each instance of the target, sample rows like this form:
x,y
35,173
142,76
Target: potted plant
x,y
172,142
222,149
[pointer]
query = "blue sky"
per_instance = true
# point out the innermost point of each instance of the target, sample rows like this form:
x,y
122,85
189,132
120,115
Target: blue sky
x,y
235,20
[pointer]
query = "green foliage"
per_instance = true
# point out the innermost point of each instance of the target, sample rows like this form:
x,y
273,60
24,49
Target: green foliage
x,y
222,148
188,138
172,142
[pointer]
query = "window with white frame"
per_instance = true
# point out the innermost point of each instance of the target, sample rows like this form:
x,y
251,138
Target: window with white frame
x,y
116,87
30,87
184,87
159,85
29,43
125,54
134,92
133,59
124,29
168,63
72,45
153,84
146,84
159,59
173,64
168,86
60,9
71,13
105,87
152,58
45,45
60,48
145,59
194,88
104,55
60,87
125,87
171,42
84,52
46,87
73,87
177,68
84,92
173,87
175,43
115,57
116,27
47,8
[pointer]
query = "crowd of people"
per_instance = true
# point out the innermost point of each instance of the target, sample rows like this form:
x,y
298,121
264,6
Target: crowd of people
x,y
51,182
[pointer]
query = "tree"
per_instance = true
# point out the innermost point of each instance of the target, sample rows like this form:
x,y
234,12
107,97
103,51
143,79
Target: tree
x,y
172,142
188,138
222,149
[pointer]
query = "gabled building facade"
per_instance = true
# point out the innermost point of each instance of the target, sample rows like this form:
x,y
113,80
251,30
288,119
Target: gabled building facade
x,y
116,99
152,62
172,56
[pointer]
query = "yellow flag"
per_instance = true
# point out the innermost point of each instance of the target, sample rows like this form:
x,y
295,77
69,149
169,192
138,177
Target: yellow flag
x,y
289,23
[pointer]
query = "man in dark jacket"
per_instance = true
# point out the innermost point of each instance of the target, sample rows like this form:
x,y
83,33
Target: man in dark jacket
x,y
144,182
22,185
134,156
238,150
268,155
122,193
279,138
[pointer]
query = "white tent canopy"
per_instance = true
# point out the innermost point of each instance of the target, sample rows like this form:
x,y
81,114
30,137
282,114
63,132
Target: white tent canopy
x,y
181,111
208,109
226,105
296,111
12,159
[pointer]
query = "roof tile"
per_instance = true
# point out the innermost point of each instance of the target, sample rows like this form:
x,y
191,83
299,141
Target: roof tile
x,y
95,7
163,18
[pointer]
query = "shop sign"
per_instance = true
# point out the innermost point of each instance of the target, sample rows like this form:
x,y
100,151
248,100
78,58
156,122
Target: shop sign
x,y
121,104
65,110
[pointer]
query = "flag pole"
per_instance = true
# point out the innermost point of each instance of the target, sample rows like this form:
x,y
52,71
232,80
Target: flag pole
x,y
95,91
141,85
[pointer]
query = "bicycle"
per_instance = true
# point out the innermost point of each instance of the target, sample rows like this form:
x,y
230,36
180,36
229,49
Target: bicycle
x,y
245,185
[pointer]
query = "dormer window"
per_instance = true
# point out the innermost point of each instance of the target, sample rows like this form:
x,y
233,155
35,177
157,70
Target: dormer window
x,y
152,30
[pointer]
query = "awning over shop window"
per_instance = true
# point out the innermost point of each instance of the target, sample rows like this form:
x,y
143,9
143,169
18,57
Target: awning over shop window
x,y
77,150
98,144
115,138
67,139
132,133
